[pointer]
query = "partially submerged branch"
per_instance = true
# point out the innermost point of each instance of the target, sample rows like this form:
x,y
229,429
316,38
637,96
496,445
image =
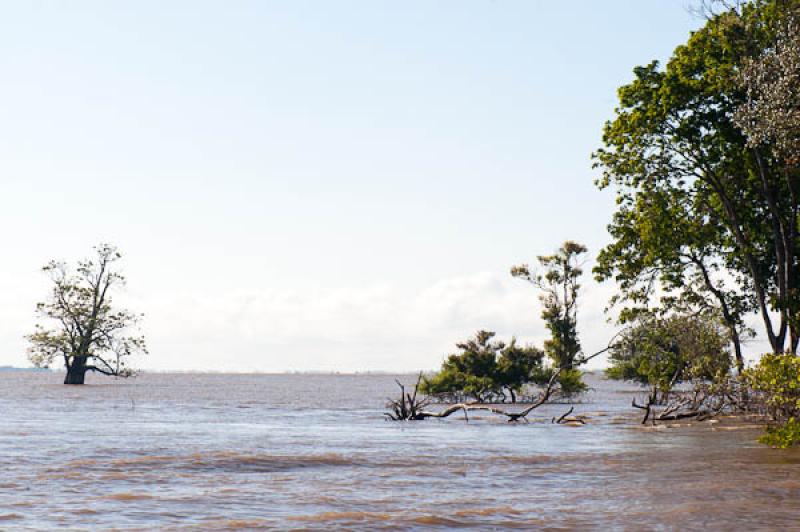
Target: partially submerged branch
x,y
409,408
567,419
703,401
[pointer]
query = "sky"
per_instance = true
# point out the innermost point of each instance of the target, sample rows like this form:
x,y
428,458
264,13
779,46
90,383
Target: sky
x,y
312,186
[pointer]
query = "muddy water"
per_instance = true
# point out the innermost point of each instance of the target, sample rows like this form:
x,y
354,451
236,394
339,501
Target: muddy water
x,y
188,451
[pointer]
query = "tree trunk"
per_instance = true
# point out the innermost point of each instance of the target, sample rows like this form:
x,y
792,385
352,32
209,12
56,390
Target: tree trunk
x,y
75,376
727,316
76,371
737,347
513,395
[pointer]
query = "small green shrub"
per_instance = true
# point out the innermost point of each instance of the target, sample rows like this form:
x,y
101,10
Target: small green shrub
x,y
782,436
778,378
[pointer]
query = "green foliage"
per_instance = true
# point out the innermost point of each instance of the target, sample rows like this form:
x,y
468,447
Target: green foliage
x,y
777,376
81,325
485,368
771,115
664,351
560,287
518,366
570,382
471,372
782,436
706,220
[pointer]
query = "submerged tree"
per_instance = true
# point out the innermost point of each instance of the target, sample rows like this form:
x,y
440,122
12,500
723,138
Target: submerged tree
x,y
560,287
470,372
82,326
520,365
485,369
663,351
411,407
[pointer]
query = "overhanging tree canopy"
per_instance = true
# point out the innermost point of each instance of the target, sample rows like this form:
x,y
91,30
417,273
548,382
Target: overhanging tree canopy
x,y
703,214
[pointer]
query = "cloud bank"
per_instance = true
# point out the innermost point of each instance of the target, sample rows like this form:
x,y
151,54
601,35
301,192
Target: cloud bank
x,y
379,327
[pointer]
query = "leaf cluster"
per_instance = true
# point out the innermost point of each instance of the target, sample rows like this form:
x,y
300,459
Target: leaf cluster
x,y
664,351
484,368
777,376
558,280
704,221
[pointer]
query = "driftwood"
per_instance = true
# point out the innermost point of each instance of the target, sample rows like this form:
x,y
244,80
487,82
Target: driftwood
x,y
512,416
409,408
671,413
703,401
566,418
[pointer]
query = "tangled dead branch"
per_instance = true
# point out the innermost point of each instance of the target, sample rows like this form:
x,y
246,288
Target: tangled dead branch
x,y
702,401
409,408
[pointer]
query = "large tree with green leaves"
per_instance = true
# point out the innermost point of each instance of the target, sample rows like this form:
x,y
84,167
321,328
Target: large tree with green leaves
x,y
707,219
81,325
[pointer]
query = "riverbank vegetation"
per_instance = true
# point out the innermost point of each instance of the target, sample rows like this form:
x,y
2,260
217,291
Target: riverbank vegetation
x,y
703,156
776,379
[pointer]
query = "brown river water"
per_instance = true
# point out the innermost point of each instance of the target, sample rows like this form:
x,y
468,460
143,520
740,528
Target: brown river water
x,y
218,452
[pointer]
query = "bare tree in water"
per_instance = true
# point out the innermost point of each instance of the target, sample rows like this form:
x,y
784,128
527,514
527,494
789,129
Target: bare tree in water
x,y
81,325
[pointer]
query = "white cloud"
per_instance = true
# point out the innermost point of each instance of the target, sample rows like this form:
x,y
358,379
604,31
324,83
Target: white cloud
x,y
381,326
374,327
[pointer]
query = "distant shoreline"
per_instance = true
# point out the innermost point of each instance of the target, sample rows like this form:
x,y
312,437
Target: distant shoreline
x,y
223,372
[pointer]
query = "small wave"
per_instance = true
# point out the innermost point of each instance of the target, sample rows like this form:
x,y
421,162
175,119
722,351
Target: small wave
x,y
225,461
522,459
116,475
126,497
488,512
438,520
11,517
85,511
231,461
325,517
61,475
238,524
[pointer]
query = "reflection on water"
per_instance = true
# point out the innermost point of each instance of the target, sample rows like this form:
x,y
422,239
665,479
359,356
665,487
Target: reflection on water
x,y
313,451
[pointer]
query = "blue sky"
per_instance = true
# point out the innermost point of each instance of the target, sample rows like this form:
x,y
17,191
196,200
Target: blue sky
x,y
312,185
